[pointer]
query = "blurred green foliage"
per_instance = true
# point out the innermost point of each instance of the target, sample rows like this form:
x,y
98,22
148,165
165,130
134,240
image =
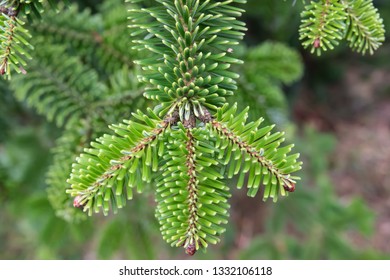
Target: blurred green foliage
x,y
312,223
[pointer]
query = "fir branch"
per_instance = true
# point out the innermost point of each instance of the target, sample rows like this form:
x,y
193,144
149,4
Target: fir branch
x,y
260,150
15,39
192,201
140,146
323,25
366,30
7,50
326,22
275,61
99,40
121,95
257,155
111,158
189,42
66,88
12,43
188,73
68,147
278,65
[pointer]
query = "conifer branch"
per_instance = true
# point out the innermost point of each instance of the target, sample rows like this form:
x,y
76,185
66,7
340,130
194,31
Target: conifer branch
x,y
192,140
189,42
256,151
68,147
100,40
192,201
15,39
7,50
188,74
287,183
366,30
12,40
110,160
66,88
323,25
121,95
326,22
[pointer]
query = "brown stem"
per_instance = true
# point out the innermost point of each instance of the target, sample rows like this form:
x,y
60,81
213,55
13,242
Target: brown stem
x,y
192,194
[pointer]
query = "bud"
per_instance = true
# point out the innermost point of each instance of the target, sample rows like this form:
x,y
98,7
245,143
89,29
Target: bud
x,y
289,187
191,249
77,202
317,43
22,70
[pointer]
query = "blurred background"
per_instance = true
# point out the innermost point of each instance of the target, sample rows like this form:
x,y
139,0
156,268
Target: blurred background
x,y
336,108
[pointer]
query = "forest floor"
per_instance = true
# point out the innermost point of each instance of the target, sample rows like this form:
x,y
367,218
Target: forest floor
x,y
357,112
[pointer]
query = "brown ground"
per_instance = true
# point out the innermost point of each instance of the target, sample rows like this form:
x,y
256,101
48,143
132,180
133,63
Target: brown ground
x,y
358,113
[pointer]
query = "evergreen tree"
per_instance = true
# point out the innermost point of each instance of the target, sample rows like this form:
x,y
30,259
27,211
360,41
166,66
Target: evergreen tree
x,y
189,139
